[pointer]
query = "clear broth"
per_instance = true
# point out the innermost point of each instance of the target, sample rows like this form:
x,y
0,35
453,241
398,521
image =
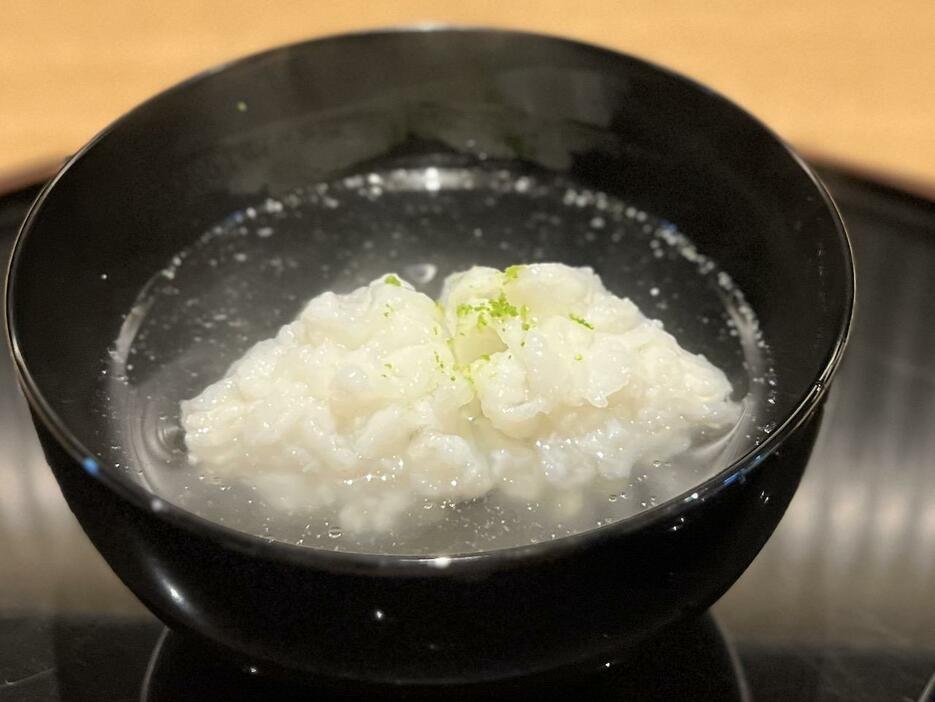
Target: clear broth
x,y
247,276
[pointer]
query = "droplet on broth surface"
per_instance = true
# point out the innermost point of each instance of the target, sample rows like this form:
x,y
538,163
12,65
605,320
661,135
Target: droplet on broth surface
x,y
334,533
420,273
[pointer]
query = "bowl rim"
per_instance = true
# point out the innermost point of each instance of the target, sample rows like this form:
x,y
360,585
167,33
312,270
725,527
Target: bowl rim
x,y
427,565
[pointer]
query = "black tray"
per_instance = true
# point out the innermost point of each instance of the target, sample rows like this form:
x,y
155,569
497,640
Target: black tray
x,y
840,605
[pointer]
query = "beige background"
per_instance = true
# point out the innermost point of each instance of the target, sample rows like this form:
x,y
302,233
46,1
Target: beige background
x,y
851,80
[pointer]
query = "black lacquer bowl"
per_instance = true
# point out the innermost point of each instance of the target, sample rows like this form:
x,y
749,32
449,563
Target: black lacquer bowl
x,y
266,125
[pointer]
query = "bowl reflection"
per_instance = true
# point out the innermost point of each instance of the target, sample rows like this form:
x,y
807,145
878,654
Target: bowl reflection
x,y
692,660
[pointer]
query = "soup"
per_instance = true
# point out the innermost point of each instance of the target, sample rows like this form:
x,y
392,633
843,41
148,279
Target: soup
x,y
251,274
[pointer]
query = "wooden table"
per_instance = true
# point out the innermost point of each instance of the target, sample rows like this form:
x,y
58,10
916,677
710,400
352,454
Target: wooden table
x,y
850,80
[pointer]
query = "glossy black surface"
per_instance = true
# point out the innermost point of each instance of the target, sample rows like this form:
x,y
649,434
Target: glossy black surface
x,y
191,156
835,607
692,661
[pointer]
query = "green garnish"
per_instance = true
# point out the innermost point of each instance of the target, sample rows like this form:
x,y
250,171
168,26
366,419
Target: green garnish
x,y
502,308
392,280
578,357
581,320
499,308
388,366
511,273
484,357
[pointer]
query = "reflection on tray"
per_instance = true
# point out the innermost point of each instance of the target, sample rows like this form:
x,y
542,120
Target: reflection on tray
x,y
690,662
